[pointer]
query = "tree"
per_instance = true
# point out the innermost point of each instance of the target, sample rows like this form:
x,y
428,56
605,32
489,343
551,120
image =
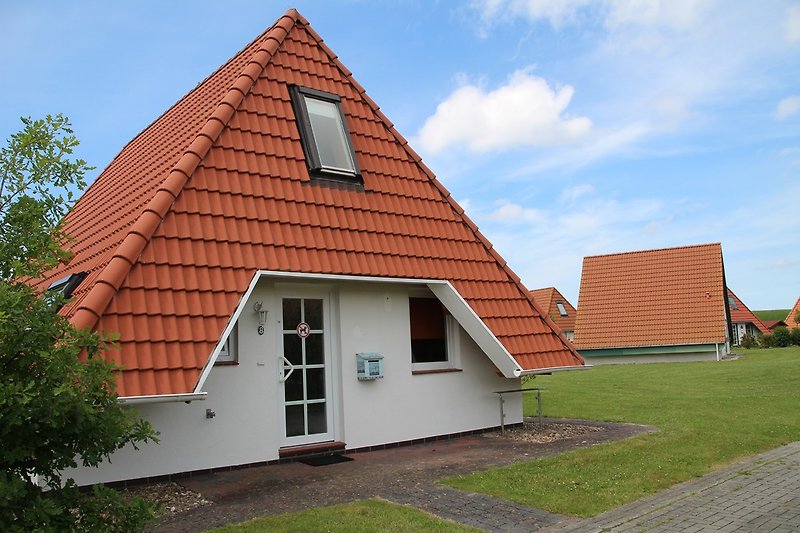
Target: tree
x,y
58,407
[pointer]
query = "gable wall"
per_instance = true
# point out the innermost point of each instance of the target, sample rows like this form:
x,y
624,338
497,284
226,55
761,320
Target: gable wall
x,y
246,397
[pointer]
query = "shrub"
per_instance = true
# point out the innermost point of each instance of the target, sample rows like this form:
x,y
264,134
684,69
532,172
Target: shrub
x,y
747,341
782,337
767,340
795,336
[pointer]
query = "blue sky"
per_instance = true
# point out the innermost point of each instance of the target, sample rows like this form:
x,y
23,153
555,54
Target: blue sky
x,y
565,128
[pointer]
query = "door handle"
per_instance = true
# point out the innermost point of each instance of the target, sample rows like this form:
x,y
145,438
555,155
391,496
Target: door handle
x,y
283,377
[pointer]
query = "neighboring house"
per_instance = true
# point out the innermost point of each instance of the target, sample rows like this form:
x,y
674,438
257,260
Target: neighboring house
x,y
743,321
772,324
557,308
653,305
273,246
793,318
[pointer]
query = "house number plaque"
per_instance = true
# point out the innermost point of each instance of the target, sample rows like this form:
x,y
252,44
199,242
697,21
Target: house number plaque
x,y
260,329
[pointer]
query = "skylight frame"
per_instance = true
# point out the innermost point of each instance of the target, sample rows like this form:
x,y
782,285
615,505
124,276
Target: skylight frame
x,y
562,309
316,167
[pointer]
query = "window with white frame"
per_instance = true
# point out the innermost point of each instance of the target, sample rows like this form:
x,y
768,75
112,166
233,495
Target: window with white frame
x,y
434,336
230,348
561,309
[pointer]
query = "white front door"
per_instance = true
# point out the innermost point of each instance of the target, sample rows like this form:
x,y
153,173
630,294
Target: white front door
x,y
304,365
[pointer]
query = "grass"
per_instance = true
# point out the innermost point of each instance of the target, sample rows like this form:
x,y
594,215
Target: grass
x,y
772,314
708,415
355,517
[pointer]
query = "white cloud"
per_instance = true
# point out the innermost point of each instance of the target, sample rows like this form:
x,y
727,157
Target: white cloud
x,y
787,107
674,15
792,24
557,12
515,213
526,111
573,193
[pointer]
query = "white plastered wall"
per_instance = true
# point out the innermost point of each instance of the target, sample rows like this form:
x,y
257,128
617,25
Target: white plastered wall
x,y
246,428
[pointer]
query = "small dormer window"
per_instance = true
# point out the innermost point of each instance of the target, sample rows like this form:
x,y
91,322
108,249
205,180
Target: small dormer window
x,y
324,135
561,309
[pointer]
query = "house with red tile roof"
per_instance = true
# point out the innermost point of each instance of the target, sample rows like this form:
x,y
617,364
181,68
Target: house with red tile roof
x,y
286,276
793,318
557,308
772,324
743,321
654,305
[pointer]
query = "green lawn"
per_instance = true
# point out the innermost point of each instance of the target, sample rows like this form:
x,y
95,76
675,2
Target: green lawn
x,y
772,314
708,415
356,517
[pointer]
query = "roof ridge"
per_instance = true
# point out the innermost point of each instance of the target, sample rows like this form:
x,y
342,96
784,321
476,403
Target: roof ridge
x,y
126,253
439,186
667,248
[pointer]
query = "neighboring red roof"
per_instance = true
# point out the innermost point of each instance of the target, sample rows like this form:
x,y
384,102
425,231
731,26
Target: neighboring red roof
x,y
772,324
176,226
791,318
666,297
741,313
548,299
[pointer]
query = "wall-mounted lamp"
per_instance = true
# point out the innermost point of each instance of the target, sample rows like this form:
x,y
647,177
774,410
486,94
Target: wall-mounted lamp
x,y
262,313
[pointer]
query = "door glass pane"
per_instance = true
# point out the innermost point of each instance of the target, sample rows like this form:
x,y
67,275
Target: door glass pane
x,y
293,348
315,383
315,354
294,386
316,418
295,420
291,313
314,313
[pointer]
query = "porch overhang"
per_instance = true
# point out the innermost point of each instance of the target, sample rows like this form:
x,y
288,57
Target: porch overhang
x,y
442,289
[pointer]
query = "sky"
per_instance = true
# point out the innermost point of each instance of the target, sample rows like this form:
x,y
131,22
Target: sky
x,y
565,128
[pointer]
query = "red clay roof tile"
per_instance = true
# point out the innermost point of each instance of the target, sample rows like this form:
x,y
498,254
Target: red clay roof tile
x,y
672,296
547,300
741,313
791,319
216,188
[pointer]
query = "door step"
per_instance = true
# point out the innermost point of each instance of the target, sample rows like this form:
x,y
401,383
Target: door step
x,y
311,449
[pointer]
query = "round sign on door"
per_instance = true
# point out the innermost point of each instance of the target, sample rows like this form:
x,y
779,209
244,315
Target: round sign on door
x,y
303,330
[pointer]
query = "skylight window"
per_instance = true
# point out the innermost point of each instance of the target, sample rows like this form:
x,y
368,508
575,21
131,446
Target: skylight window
x,y
66,285
732,302
561,309
324,134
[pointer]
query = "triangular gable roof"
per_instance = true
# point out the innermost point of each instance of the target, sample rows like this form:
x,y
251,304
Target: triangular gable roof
x,y
665,297
791,319
217,188
548,299
741,313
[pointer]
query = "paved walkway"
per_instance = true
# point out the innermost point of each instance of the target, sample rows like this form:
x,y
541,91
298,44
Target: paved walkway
x,y
761,494
406,475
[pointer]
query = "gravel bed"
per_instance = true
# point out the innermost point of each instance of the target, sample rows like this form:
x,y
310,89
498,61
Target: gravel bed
x,y
172,498
546,432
